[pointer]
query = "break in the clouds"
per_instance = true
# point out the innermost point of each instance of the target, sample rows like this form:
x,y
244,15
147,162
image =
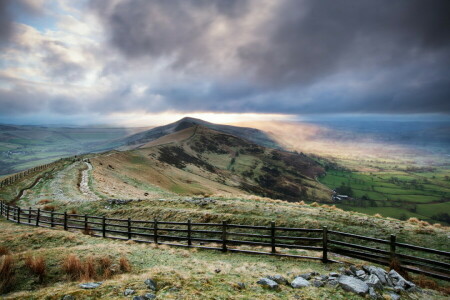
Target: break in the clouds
x,y
104,57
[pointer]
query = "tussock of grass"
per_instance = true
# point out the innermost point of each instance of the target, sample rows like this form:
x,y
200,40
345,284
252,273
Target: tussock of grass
x,y
37,266
7,272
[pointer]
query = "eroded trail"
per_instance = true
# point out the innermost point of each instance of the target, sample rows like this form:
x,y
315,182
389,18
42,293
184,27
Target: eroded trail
x,y
84,184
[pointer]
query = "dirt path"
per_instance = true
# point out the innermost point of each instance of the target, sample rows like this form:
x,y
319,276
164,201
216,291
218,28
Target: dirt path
x,y
84,184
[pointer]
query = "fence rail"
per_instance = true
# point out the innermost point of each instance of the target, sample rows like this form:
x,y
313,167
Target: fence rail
x,y
229,237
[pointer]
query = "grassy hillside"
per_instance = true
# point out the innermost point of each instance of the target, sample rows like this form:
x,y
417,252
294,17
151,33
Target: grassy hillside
x,y
23,147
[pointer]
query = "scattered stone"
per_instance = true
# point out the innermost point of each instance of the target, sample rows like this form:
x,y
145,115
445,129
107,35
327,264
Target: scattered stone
x,y
306,276
118,201
278,279
217,271
268,283
360,273
399,282
334,274
68,297
300,282
90,285
129,292
394,296
353,284
333,282
374,282
373,294
318,283
150,283
149,296
353,269
139,298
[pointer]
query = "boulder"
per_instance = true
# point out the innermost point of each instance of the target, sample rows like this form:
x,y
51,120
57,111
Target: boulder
x,y
149,296
353,284
129,292
360,273
300,282
278,279
90,285
399,282
374,282
380,273
268,283
333,282
306,276
151,284
318,283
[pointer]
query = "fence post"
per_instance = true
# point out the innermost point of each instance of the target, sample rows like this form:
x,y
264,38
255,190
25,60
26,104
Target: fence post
x,y
7,212
18,215
86,224
29,215
325,245
272,236
104,226
393,246
224,236
52,219
189,226
65,220
1,208
129,228
155,231
37,216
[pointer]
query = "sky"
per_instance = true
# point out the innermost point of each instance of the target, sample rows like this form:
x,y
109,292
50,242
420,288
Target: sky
x,y
147,62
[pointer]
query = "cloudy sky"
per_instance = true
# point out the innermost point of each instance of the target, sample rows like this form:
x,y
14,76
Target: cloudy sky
x,y
137,61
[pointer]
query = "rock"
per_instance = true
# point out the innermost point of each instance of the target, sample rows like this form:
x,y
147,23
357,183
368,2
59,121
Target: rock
x,y
334,274
399,282
90,285
353,284
139,298
360,273
268,283
380,273
129,292
318,283
150,283
217,271
68,297
374,281
372,293
149,296
278,279
306,276
333,282
300,282
394,296
353,269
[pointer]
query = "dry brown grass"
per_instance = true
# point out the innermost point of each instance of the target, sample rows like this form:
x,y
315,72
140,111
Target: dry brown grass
x,y
73,211
44,201
395,265
87,230
37,266
4,251
315,204
378,216
49,208
437,225
104,266
413,221
125,265
72,267
424,223
88,269
7,272
428,283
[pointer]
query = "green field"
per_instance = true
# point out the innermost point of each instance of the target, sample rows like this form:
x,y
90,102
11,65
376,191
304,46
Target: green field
x,y
397,194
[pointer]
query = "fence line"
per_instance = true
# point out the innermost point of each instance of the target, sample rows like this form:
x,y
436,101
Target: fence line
x,y
15,177
227,237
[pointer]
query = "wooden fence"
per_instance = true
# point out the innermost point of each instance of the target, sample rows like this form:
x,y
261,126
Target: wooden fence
x,y
17,176
270,240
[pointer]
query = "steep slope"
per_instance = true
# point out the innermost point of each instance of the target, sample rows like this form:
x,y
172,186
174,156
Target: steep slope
x,y
255,135
199,160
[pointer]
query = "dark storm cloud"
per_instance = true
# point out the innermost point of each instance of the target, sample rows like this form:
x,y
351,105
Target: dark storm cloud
x,y
301,44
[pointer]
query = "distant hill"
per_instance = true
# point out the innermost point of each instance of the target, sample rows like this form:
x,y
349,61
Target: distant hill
x,y
254,135
195,159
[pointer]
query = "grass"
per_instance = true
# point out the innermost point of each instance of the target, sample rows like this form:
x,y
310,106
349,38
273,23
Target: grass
x,y
393,193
